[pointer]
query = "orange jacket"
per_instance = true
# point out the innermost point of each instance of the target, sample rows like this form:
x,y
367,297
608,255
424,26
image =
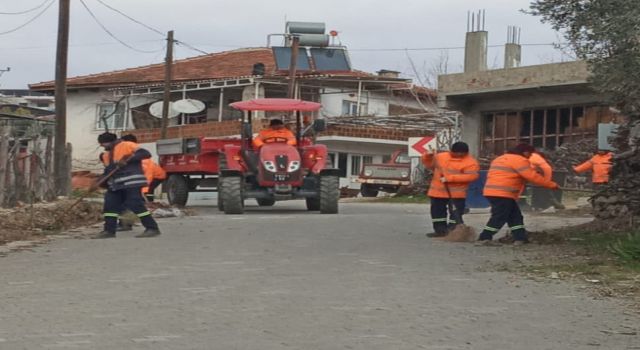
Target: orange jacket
x,y
541,166
266,134
459,173
123,149
600,165
509,173
152,171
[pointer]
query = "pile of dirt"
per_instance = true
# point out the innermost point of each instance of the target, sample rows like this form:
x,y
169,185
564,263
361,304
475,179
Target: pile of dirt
x,y
461,234
26,222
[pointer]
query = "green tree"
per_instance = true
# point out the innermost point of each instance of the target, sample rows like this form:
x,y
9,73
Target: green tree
x,y
605,33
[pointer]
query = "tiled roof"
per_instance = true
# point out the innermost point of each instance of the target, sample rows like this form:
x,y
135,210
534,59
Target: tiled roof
x,y
227,64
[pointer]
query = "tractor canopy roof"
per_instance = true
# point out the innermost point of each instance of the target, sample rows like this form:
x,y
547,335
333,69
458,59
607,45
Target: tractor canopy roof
x,y
276,104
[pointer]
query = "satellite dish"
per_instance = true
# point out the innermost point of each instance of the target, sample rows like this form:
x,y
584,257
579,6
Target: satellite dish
x,y
188,106
156,110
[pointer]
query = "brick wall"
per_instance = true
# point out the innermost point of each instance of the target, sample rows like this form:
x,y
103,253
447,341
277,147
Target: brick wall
x,y
227,128
374,132
209,129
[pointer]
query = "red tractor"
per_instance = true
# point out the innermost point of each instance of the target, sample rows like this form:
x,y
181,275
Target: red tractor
x,y
277,170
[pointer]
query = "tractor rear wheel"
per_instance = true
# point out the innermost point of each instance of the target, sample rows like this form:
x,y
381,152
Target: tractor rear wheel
x,y
368,191
177,190
313,204
329,194
231,193
266,202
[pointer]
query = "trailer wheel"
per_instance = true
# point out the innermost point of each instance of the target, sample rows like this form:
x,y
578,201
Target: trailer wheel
x,y
313,204
231,193
329,194
266,202
368,191
177,190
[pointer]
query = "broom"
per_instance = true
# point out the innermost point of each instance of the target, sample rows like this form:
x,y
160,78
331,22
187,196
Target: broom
x,y
460,232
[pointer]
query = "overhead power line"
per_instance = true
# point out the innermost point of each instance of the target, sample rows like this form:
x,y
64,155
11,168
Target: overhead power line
x,y
191,47
25,11
29,21
155,30
111,34
131,18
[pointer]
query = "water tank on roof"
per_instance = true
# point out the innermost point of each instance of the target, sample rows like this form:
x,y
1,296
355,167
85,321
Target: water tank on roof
x,y
305,28
317,40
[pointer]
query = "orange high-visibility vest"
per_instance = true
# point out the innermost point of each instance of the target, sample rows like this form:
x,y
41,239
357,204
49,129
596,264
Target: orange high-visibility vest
x,y
121,150
283,133
459,173
152,171
600,165
541,166
509,173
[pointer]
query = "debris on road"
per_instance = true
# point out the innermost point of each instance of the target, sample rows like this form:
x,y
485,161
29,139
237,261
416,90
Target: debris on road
x,y
26,222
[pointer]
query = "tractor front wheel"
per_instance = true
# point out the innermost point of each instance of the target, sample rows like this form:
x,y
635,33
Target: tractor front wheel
x,y
313,204
219,194
177,190
329,194
231,193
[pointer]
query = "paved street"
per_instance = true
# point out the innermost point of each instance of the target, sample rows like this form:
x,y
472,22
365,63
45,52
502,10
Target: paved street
x,y
283,278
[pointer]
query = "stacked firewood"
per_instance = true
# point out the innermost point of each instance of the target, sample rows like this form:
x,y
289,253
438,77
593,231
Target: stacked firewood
x,y
570,154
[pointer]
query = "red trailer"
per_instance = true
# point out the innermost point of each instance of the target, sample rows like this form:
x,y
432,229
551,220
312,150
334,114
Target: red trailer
x,y
191,165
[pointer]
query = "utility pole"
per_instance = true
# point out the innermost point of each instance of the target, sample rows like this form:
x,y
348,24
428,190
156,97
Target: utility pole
x,y
168,73
60,169
295,44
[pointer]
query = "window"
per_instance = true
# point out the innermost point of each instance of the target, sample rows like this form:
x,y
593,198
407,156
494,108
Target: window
x,y
357,162
351,107
403,158
108,118
356,165
545,128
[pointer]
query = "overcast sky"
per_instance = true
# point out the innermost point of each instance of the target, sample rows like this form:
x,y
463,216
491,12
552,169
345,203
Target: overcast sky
x,y
218,25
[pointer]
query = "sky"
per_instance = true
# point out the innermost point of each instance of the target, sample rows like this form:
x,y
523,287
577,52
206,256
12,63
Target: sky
x,y
376,32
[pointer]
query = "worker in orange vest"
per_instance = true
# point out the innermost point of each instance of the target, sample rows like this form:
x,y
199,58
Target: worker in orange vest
x,y
507,175
541,197
152,171
276,132
123,187
600,165
453,171
540,165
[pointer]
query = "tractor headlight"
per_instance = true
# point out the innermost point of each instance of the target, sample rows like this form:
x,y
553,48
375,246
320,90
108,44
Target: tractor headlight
x,y
269,166
404,174
293,166
368,172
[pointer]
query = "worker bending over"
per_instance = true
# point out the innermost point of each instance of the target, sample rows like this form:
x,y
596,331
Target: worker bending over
x,y
600,166
124,186
542,198
505,180
152,171
276,132
453,171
